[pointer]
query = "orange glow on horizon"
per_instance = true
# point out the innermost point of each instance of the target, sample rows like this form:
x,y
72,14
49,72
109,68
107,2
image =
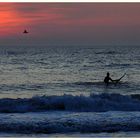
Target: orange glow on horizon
x,y
69,22
13,21
9,22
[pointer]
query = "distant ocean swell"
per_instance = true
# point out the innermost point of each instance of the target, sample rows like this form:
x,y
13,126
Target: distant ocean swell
x,y
93,103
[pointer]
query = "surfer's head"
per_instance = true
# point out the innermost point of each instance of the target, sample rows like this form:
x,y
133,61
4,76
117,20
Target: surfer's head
x,y
108,74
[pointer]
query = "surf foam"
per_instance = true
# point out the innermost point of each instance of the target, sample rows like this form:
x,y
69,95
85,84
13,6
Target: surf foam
x,y
92,103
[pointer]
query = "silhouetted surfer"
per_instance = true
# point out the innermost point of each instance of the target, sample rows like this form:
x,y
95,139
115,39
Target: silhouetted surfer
x,y
25,32
108,79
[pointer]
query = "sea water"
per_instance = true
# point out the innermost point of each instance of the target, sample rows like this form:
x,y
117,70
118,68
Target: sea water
x,y
58,91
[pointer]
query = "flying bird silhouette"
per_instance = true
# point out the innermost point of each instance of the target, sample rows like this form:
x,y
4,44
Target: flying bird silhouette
x,y
25,32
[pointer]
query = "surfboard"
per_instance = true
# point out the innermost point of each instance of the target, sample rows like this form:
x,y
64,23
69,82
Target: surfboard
x,y
118,80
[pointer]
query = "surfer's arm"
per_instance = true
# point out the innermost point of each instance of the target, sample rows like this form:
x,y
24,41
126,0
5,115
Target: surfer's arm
x,y
116,81
113,80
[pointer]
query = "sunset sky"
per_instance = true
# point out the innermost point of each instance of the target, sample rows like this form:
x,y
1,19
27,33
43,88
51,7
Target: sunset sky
x,y
70,23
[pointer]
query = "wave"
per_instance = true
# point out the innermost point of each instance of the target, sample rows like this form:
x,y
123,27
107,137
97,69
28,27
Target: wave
x,y
118,65
37,86
108,52
71,122
93,103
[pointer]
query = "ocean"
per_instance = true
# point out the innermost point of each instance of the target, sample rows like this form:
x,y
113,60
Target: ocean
x,y
58,91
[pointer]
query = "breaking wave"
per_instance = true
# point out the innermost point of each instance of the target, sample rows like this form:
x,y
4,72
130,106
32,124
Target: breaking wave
x,y
93,103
